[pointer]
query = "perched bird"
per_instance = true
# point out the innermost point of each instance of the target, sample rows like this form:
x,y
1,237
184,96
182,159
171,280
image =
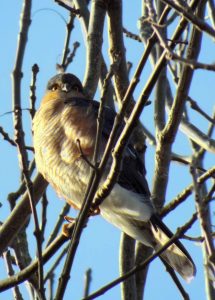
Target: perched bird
x,y
65,116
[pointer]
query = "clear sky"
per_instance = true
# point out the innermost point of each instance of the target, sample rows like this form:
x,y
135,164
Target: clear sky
x,y
99,244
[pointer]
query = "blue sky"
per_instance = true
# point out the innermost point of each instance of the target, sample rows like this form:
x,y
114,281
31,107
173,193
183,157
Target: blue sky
x,y
99,244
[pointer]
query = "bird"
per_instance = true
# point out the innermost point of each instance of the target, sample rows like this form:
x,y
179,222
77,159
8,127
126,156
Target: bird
x,y
66,115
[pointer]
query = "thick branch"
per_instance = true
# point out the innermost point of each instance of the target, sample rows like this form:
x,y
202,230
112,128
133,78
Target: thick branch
x,y
168,134
20,213
94,46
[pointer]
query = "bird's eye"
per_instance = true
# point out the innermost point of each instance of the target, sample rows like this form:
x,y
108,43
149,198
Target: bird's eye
x,y
54,87
76,88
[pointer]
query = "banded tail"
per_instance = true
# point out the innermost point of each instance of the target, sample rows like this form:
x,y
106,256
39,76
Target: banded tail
x,y
176,255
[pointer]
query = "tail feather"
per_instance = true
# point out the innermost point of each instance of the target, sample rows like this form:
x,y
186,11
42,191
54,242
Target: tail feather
x,y
176,255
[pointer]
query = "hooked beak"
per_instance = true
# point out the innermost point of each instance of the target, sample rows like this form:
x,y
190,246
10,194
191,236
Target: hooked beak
x,y
66,87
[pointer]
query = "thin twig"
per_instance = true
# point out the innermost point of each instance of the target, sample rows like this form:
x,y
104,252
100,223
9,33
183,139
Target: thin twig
x,y
190,62
186,193
68,7
190,17
8,261
131,35
44,216
201,210
6,136
194,105
69,27
55,264
171,55
83,156
13,196
20,213
35,70
58,224
198,239
28,271
175,279
191,131
87,282
72,54
211,11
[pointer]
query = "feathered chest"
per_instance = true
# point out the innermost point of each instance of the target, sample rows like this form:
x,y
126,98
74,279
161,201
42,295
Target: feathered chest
x,y
57,129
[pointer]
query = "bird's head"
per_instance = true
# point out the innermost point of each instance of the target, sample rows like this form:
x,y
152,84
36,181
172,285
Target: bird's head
x,y
63,86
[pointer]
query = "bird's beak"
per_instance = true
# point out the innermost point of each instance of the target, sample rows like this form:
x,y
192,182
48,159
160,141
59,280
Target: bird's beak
x,y
65,87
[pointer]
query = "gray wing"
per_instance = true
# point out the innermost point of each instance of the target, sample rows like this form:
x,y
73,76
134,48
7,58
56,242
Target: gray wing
x,y
132,175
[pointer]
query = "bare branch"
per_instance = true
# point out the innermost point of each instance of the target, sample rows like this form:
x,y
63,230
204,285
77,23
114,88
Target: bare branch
x,y
141,253
68,7
6,136
167,136
117,48
186,192
35,70
175,279
18,128
126,263
28,271
50,273
20,213
10,271
201,208
194,105
191,131
87,281
94,45
66,51
190,17
82,5
211,11
131,35
59,223
43,216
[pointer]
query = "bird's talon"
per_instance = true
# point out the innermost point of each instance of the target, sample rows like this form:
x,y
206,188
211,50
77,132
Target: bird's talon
x,y
65,230
69,219
94,211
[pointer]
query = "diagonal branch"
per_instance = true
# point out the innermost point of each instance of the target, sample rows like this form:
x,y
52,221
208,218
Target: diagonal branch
x,y
190,17
28,271
20,213
186,192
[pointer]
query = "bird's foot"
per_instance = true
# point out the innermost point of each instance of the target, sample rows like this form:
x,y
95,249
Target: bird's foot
x,y
65,229
94,211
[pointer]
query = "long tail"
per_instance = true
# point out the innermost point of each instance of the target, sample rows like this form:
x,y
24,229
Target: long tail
x,y
176,255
